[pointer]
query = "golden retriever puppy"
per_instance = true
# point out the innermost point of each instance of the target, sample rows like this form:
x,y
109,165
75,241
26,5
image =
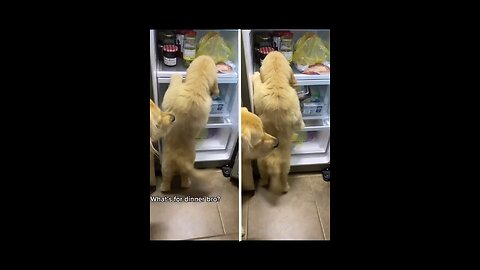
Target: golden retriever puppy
x,y
160,123
276,103
190,101
255,144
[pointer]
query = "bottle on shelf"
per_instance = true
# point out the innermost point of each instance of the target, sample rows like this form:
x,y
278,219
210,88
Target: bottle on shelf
x,y
286,46
189,47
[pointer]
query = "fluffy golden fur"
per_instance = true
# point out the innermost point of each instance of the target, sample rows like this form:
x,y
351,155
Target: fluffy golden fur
x,y
190,101
255,144
277,105
160,122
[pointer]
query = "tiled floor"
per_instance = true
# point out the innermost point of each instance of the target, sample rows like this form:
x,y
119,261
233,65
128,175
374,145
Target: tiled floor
x,y
197,220
301,214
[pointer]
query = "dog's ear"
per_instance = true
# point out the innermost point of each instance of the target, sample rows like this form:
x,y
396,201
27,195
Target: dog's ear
x,y
246,137
292,80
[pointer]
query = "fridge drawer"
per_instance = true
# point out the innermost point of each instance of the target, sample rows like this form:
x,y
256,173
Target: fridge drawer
x,y
311,142
212,139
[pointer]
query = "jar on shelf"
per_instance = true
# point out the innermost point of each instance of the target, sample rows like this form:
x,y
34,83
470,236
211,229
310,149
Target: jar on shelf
x,y
261,40
180,36
286,47
170,55
189,47
164,38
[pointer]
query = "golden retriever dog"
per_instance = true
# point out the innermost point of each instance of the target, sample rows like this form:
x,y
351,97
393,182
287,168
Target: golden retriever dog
x,y
160,123
190,101
276,103
255,144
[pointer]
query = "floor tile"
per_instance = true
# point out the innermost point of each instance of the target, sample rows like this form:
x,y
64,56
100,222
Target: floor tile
x,y
245,199
228,207
230,237
321,194
289,216
186,220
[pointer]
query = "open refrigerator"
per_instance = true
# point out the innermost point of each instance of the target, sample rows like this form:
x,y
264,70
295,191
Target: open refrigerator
x,y
311,146
216,143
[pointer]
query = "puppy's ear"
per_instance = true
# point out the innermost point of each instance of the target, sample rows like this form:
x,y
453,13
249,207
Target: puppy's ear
x,y
215,91
246,137
292,80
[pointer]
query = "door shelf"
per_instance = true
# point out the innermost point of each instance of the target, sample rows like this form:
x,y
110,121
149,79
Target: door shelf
x,y
164,76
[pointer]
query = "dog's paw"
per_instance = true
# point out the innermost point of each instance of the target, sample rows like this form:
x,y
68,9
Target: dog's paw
x,y
256,76
185,182
248,187
286,188
165,187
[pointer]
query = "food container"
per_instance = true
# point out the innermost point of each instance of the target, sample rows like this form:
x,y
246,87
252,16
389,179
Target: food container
x,y
170,55
312,108
218,106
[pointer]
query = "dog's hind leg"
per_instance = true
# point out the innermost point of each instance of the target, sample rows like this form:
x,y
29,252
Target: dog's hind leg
x,y
262,169
185,181
167,176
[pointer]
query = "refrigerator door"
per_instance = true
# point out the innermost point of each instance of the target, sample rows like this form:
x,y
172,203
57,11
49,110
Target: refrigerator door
x,y
216,143
311,146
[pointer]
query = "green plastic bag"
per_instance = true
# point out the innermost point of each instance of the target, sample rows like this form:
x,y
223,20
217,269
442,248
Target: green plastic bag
x,y
212,44
310,50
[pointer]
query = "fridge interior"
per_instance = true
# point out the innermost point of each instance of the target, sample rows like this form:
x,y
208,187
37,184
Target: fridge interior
x,y
217,141
297,34
231,39
311,145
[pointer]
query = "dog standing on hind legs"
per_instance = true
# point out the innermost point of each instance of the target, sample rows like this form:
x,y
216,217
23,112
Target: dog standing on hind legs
x,y
276,103
190,101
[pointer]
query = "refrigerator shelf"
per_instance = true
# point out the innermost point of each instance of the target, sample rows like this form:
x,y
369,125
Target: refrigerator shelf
x,y
164,76
211,155
223,114
218,122
310,159
315,117
316,124
304,79
311,141
212,139
309,147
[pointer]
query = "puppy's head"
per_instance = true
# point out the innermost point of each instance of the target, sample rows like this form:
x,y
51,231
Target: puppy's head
x,y
276,67
255,142
203,67
160,122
